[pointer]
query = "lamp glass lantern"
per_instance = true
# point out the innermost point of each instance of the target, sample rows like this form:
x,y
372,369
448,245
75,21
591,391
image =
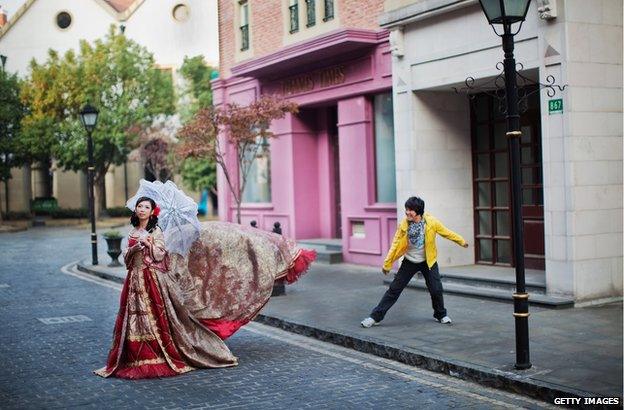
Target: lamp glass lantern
x,y
505,11
89,117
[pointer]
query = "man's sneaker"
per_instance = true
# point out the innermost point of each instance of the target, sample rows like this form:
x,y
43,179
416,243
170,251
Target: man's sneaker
x,y
445,320
368,322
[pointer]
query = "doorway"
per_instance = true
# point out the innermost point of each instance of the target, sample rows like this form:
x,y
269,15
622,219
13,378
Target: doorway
x,y
492,187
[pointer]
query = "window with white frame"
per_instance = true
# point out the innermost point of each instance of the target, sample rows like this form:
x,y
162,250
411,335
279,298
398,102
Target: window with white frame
x,y
385,174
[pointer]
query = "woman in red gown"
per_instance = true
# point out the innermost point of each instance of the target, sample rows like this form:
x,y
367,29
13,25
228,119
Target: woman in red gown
x,y
176,311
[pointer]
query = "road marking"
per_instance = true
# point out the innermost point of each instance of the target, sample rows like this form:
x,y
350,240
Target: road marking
x,y
89,278
63,319
412,373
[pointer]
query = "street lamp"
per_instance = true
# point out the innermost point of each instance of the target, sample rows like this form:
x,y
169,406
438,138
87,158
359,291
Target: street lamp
x,y
6,156
506,13
88,117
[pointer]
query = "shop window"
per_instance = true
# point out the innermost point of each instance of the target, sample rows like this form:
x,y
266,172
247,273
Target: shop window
x,y
310,12
328,7
244,25
384,149
293,10
258,186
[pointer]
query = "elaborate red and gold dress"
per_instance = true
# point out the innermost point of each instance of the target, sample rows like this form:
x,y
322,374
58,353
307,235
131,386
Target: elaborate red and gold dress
x,y
176,311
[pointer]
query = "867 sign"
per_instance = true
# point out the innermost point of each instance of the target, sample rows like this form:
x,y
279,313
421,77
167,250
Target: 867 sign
x,y
555,106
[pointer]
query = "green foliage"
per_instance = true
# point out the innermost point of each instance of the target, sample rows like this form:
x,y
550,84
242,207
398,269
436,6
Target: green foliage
x,y
43,205
118,211
69,213
117,76
112,234
50,96
198,88
199,173
11,113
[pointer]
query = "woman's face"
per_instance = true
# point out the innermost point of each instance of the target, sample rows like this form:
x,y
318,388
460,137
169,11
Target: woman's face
x,y
144,210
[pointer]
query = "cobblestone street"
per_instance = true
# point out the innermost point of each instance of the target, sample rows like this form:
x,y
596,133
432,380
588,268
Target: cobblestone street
x,y
57,326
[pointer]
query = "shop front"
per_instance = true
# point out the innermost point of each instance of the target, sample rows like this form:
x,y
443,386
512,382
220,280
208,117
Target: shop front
x,y
329,172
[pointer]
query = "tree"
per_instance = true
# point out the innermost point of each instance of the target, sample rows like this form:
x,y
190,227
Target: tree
x,y
116,75
155,147
197,173
244,127
49,94
11,113
197,92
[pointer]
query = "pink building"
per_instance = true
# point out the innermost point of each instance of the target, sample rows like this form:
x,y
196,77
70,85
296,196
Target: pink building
x,y
330,172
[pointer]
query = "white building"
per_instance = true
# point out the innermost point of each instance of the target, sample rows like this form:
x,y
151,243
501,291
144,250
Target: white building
x,y
170,29
453,152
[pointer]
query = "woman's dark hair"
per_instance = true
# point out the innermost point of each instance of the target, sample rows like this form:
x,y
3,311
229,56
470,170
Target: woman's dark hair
x,y
153,220
415,204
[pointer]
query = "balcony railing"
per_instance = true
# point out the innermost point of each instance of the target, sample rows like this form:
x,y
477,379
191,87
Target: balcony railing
x,y
244,37
310,12
294,18
329,10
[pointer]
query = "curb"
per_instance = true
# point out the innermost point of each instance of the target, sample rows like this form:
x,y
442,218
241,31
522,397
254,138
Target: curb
x,y
13,229
81,266
518,383
498,379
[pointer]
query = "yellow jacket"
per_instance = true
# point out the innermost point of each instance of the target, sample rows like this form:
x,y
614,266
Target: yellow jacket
x,y
432,227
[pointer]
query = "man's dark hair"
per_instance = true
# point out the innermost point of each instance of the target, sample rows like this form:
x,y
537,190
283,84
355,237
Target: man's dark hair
x,y
415,204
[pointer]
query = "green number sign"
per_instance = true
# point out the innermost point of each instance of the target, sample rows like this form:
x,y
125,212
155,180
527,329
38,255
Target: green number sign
x,y
555,106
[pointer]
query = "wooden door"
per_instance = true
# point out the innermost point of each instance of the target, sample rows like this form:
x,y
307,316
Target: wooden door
x,y
492,184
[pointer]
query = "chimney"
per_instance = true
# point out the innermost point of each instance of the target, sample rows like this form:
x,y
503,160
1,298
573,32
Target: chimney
x,y
3,17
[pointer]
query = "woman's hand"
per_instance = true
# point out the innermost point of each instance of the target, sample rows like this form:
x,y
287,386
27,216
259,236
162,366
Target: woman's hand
x,y
134,249
145,242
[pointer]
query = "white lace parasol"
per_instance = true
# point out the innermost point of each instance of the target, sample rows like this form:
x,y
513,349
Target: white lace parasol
x,y
178,214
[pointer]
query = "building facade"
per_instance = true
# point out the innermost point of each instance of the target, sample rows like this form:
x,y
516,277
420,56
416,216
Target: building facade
x,y
329,173
452,149
170,29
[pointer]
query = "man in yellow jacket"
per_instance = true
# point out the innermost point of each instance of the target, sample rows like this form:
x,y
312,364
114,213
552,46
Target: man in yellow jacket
x,y
415,241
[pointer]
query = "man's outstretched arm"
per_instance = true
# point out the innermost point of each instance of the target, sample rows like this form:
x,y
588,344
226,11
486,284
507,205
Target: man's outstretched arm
x,y
450,235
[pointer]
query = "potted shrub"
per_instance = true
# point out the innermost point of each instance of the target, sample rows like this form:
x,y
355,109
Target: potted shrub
x,y
113,240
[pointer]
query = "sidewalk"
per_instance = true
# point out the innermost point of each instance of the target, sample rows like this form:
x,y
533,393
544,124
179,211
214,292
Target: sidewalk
x,y
78,223
575,352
